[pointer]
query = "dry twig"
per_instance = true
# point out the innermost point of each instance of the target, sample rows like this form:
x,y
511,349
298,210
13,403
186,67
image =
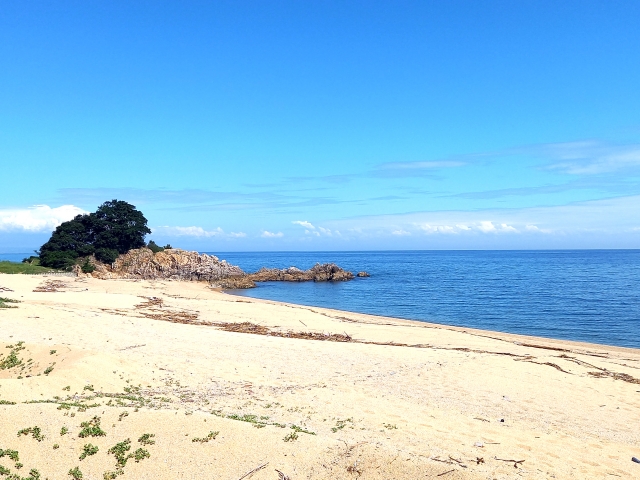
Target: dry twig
x,y
282,476
515,462
254,471
444,473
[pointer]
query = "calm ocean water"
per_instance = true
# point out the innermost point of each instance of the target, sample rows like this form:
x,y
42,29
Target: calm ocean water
x,y
585,295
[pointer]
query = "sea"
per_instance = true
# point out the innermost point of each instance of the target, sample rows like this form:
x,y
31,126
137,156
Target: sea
x,y
583,295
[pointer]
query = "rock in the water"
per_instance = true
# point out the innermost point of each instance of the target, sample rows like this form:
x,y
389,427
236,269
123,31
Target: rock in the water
x,y
327,272
234,283
362,274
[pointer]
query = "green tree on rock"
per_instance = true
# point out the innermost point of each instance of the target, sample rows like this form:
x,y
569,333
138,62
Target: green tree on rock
x,y
115,228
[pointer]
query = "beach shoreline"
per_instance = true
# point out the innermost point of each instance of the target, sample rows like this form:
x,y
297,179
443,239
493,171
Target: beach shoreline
x,y
333,394
493,334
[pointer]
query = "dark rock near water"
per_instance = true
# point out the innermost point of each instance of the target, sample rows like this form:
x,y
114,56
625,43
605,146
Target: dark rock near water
x,y
362,274
327,272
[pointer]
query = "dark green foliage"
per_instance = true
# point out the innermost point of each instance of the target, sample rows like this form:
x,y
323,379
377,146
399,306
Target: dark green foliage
x,y
122,227
119,450
32,260
34,431
12,454
87,266
75,473
88,450
12,360
209,437
167,247
146,439
154,247
91,428
107,255
4,301
140,454
115,228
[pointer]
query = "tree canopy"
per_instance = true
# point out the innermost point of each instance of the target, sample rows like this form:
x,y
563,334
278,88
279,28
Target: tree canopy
x,y
114,228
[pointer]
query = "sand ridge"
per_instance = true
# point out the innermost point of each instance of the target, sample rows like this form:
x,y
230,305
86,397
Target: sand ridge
x,y
306,391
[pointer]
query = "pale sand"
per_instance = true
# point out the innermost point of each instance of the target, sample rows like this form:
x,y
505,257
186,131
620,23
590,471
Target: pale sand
x,y
378,411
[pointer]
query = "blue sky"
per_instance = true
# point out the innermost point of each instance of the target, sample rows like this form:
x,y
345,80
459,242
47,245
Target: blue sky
x,y
287,125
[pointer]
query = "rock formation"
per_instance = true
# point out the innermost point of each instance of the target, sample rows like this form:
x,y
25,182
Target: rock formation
x,y
176,264
328,272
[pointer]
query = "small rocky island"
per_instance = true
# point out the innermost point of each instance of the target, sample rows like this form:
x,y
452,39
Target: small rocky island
x,y
176,264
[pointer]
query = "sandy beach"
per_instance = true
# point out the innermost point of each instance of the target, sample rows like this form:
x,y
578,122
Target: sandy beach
x,y
234,388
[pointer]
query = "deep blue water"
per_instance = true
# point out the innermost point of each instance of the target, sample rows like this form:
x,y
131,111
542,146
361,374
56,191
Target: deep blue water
x,y
14,257
585,295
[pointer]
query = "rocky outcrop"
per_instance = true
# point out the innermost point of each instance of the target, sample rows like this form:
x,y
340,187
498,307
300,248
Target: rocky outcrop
x,y
327,272
173,264
176,264
362,274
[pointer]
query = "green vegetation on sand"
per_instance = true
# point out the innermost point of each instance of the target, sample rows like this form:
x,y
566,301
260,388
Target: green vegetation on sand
x,y
26,268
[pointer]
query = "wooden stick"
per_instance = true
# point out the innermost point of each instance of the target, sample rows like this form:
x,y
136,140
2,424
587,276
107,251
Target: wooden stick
x,y
253,471
444,473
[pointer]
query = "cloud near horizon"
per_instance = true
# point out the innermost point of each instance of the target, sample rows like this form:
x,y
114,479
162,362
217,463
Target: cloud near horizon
x,y
267,234
193,231
597,217
39,218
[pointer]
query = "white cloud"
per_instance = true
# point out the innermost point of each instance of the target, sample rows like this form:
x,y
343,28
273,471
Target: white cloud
x,y
428,228
311,229
592,158
484,226
39,218
188,231
266,234
400,233
195,232
535,228
606,223
304,224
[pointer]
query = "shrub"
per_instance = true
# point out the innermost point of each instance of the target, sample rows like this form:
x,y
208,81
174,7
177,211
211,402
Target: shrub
x,y
153,246
87,266
75,473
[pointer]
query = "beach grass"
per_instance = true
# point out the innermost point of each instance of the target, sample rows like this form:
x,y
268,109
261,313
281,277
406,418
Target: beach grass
x,y
26,268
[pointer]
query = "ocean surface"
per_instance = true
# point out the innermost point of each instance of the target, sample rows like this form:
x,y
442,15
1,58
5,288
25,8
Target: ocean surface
x,y
584,295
